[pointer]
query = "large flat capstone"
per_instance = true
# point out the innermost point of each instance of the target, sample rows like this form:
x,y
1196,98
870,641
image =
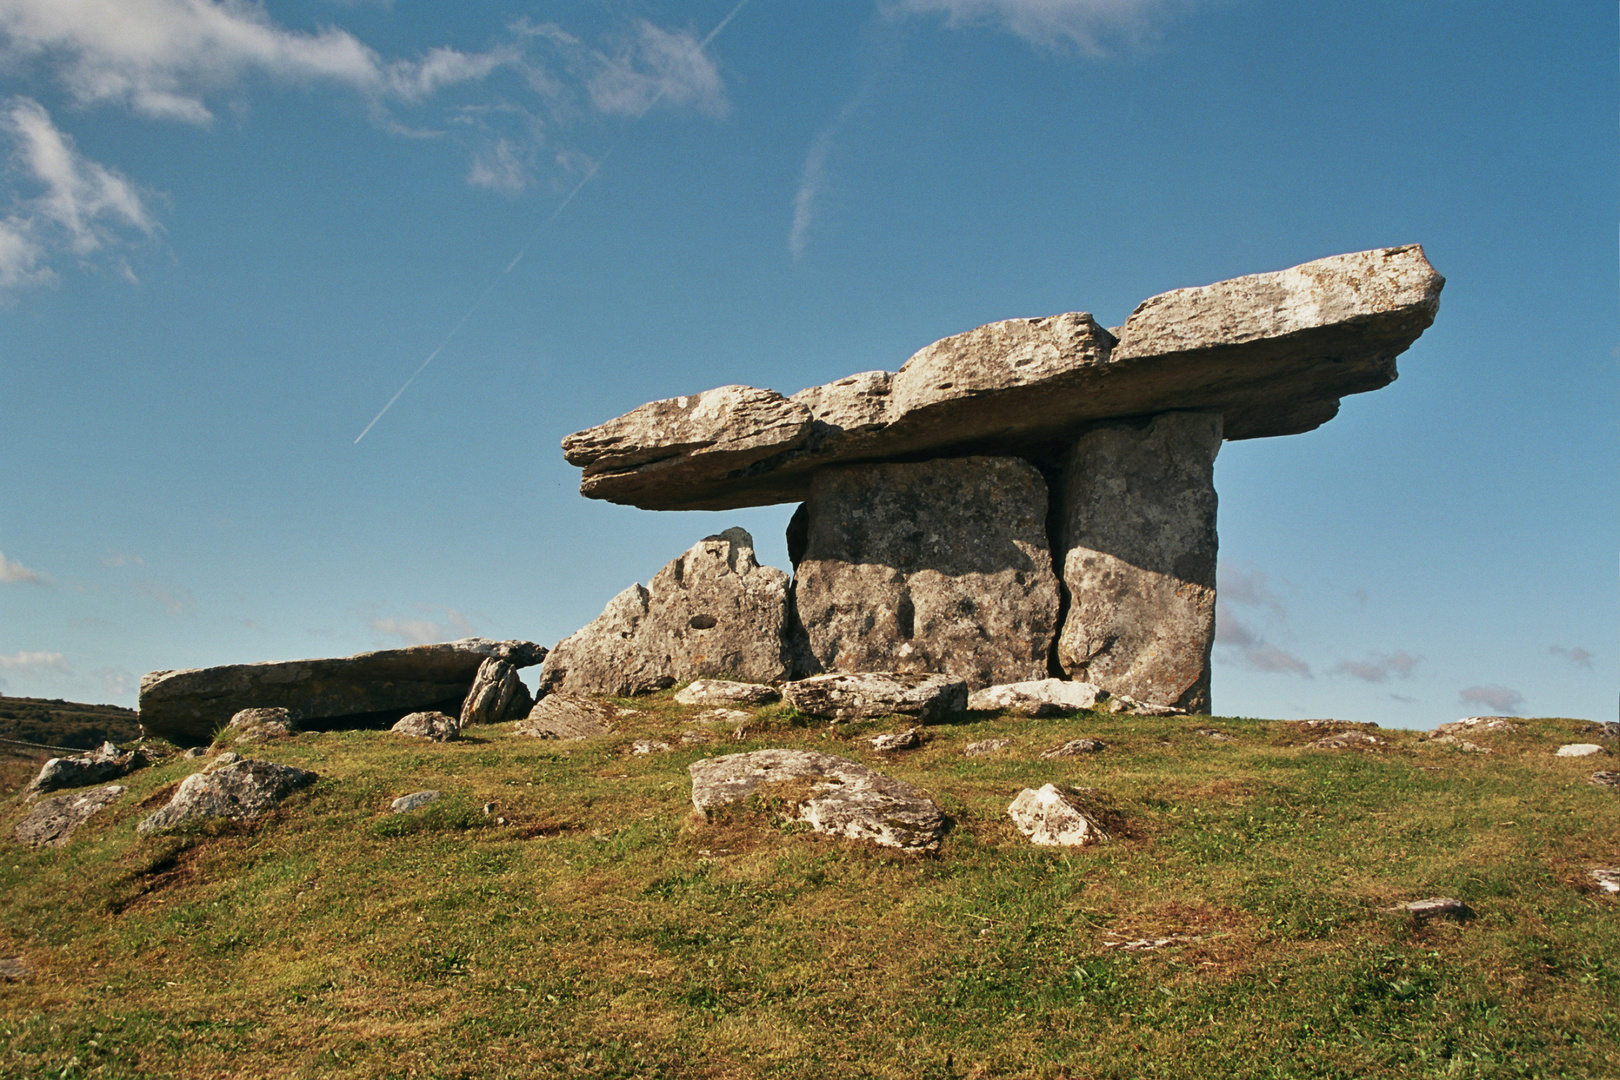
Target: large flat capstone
x,y
937,566
1272,352
188,706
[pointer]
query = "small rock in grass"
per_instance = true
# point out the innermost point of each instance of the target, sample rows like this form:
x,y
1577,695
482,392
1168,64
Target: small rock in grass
x,y
51,823
1434,907
1606,778
243,789
1608,879
407,803
103,763
1215,734
195,752
1580,749
724,692
14,969
1461,744
558,716
985,746
437,726
649,746
1476,724
260,725
870,694
903,740
229,757
723,716
696,737
1607,729
1055,816
1074,748
1038,697
1346,740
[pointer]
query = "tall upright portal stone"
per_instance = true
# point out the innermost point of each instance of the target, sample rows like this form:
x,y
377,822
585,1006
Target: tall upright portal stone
x,y
935,566
1137,507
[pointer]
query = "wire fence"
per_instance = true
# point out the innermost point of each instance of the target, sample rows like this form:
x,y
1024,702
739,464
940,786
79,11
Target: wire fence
x,y
43,746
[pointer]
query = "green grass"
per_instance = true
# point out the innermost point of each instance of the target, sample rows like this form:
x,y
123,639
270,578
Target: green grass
x,y
594,926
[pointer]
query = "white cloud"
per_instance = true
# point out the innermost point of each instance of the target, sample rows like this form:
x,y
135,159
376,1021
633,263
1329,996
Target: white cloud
x,y
1499,699
1088,25
1577,656
33,662
501,167
76,206
171,598
657,66
1378,668
117,682
423,631
1250,648
1246,587
15,573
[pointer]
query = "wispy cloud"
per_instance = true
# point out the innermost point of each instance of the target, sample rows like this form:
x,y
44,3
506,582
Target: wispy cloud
x,y
1499,699
15,573
424,631
657,66
173,599
1246,587
33,661
1378,668
1091,26
1577,656
1240,639
115,559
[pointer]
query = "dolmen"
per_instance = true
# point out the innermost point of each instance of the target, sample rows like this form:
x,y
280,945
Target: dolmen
x,y
474,679
1032,498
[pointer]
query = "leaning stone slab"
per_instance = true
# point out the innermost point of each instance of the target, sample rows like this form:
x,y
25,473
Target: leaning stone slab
x,y
189,706
713,611
244,789
428,725
558,716
1054,816
865,695
931,567
497,694
1138,524
105,762
844,798
52,821
1038,697
725,692
1272,352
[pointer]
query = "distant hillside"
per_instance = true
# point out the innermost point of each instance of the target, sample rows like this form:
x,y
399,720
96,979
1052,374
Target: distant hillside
x,y
54,722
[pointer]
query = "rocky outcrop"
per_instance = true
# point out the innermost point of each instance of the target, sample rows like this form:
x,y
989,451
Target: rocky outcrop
x,y
831,794
243,789
104,763
1138,525
865,695
1272,352
726,692
1054,816
52,821
428,725
714,611
497,694
1477,725
558,716
189,706
933,567
1039,697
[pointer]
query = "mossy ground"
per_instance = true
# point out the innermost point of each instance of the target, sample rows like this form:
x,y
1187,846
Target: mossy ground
x,y
592,925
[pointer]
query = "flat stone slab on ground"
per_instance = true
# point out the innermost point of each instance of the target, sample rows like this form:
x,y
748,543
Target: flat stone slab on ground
x,y
1434,907
725,692
14,969
415,800
1605,778
1477,725
244,789
1075,748
1273,352
1347,740
1580,749
1036,697
1461,744
52,821
871,694
900,740
558,716
1054,816
985,746
844,798
1607,878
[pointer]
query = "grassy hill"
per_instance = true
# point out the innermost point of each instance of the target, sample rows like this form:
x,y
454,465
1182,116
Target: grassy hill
x,y
591,925
55,722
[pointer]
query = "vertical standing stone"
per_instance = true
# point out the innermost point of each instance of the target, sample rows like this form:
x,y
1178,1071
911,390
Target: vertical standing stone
x,y
1138,526
938,566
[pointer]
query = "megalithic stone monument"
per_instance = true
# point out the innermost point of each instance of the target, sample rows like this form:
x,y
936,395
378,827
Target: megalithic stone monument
x,y
954,508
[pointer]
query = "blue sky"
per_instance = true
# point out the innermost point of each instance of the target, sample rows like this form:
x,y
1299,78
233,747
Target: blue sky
x,y
230,232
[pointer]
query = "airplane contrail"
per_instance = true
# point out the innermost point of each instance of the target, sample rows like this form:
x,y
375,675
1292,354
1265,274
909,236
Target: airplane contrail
x,y
590,174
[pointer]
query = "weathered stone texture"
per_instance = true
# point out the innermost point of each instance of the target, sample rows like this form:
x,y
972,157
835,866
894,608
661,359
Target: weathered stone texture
x,y
51,823
497,694
105,762
558,716
1039,697
713,611
937,566
726,692
436,726
189,706
1053,816
242,789
844,798
1138,523
869,694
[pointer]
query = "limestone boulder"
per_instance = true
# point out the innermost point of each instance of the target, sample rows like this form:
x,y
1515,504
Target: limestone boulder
x,y
865,695
1580,750
259,725
831,794
895,741
1273,352
559,716
1076,748
244,789
105,762
939,566
1137,510
1052,816
190,706
497,694
715,611
436,726
1038,697
51,823
414,801
726,692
